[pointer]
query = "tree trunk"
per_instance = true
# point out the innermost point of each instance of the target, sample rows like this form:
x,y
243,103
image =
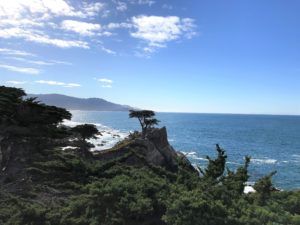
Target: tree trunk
x,y
144,132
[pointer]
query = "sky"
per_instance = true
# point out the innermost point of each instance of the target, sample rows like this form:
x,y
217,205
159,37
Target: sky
x,y
207,56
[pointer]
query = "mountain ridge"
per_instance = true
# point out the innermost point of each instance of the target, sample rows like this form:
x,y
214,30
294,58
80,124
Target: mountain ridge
x,y
75,103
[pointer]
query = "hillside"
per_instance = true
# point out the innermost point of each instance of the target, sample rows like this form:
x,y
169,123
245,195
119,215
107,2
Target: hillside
x,y
85,104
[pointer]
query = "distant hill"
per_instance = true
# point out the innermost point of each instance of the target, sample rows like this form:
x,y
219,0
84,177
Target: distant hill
x,y
85,104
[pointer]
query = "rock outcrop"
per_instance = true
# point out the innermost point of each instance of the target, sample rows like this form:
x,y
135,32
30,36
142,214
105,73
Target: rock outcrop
x,y
154,149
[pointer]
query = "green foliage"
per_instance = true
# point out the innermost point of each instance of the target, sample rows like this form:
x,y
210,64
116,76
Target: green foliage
x,y
146,119
86,131
31,214
192,208
289,200
234,182
216,167
88,192
28,118
123,199
264,188
10,98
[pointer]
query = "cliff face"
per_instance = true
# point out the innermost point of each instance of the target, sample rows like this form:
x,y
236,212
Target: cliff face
x,y
154,149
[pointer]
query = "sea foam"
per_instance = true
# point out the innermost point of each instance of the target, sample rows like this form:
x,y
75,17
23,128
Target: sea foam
x,y
108,138
264,161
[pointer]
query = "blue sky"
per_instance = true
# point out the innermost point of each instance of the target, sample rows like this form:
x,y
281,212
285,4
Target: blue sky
x,y
182,56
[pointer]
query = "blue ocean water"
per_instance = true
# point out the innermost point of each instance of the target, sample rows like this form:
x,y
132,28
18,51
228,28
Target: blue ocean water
x,y
273,142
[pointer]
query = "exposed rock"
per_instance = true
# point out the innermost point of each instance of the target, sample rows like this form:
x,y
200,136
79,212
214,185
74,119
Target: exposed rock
x,y
155,149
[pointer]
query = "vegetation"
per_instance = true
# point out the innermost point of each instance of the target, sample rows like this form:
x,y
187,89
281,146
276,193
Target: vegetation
x,y
82,133
86,131
41,184
146,119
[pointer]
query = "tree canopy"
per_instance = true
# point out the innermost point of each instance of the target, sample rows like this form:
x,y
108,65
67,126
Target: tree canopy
x,y
28,117
146,119
86,131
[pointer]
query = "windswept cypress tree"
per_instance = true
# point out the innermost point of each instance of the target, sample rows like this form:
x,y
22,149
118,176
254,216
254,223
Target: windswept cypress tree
x,y
146,119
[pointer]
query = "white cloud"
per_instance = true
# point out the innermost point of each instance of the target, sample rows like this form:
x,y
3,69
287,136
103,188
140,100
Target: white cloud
x,y
21,22
106,33
15,82
142,2
47,8
73,24
106,86
158,30
39,38
105,83
121,6
149,49
82,28
57,83
72,85
25,70
167,6
7,51
92,9
39,62
188,27
105,13
60,62
112,26
105,80
47,82
34,20
57,42
108,51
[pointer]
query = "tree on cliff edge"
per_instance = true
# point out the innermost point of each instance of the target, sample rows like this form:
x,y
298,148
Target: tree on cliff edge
x,y
146,119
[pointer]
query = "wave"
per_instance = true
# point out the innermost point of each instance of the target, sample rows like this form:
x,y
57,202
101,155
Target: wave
x,y
71,123
263,161
193,155
234,163
189,153
296,158
108,138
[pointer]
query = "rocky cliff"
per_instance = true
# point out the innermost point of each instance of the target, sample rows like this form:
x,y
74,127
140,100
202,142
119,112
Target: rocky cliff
x,y
154,150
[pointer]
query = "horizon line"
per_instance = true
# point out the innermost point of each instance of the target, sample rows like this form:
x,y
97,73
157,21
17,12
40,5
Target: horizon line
x,y
158,111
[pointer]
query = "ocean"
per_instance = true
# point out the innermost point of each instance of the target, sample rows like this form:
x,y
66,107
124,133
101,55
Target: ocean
x,y
273,142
